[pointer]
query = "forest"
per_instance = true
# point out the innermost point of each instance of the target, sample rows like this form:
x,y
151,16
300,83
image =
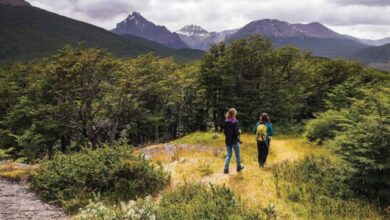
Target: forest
x,y
88,101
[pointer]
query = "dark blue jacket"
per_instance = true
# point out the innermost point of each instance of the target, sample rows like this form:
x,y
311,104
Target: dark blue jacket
x,y
231,131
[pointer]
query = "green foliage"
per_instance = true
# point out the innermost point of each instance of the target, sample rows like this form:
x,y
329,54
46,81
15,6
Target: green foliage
x,y
253,77
365,144
194,201
360,133
115,173
189,201
317,186
324,127
85,98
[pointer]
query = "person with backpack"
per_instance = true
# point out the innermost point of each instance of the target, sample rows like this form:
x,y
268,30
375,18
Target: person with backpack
x,y
263,130
232,132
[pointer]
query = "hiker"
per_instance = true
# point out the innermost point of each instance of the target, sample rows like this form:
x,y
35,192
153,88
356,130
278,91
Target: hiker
x,y
263,130
232,131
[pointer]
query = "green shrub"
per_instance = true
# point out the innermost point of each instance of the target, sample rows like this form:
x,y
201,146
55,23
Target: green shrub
x,y
290,128
115,173
319,187
324,127
365,145
195,201
360,134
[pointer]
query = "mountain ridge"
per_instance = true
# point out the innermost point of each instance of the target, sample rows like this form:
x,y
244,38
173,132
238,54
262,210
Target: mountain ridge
x,y
30,32
198,38
136,24
15,2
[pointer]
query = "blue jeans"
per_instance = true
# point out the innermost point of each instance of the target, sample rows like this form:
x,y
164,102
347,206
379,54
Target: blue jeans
x,y
236,148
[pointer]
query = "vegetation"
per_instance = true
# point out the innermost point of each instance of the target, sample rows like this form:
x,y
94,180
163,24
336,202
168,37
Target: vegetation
x,y
72,110
199,202
316,186
190,201
289,84
360,133
13,171
140,209
85,98
113,173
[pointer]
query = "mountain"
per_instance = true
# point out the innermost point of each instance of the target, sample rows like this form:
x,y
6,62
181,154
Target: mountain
x,y
29,32
379,42
375,54
313,37
15,2
282,29
198,38
137,25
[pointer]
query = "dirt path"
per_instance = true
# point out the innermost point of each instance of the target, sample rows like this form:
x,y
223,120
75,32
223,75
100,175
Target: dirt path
x,y
17,202
202,163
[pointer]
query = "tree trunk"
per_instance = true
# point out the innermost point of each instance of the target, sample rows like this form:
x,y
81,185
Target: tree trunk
x,y
112,134
156,134
65,142
50,150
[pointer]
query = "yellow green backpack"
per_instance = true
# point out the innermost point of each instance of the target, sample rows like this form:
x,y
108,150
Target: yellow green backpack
x,y
261,132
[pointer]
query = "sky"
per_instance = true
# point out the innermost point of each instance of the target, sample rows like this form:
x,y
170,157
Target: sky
x,y
369,19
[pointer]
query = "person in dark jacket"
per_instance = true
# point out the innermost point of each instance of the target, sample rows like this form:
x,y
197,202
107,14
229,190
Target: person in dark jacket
x,y
232,131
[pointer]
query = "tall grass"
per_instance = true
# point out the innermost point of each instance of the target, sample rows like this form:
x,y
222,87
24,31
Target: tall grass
x,y
315,187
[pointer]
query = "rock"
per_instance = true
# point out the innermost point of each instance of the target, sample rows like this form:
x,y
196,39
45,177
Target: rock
x,y
17,202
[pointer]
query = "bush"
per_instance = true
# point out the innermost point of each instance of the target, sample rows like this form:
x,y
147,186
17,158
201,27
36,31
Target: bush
x,y
195,201
318,187
324,127
365,145
140,209
115,173
360,134
190,201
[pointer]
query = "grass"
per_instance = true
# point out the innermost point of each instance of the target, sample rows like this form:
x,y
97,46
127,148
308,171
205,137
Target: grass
x,y
13,172
255,186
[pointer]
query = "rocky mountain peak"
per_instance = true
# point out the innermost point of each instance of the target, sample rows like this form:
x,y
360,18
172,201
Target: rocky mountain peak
x,y
192,30
135,24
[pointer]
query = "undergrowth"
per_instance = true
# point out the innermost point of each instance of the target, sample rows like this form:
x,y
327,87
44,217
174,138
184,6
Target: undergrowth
x,y
114,173
316,188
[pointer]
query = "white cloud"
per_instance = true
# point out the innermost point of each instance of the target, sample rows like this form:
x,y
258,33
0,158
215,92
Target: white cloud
x,y
363,2
363,18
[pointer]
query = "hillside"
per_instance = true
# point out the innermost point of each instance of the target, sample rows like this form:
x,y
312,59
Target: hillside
x,y
322,47
29,32
314,37
375,54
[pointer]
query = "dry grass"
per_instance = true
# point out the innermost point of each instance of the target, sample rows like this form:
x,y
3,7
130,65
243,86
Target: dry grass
x,y
14,172
254,185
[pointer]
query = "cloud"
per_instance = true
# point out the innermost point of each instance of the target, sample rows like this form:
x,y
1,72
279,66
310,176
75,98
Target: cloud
x,y
217,15
362,2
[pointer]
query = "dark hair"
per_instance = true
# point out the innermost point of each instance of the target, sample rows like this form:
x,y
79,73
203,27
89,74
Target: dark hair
x,y
264,118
